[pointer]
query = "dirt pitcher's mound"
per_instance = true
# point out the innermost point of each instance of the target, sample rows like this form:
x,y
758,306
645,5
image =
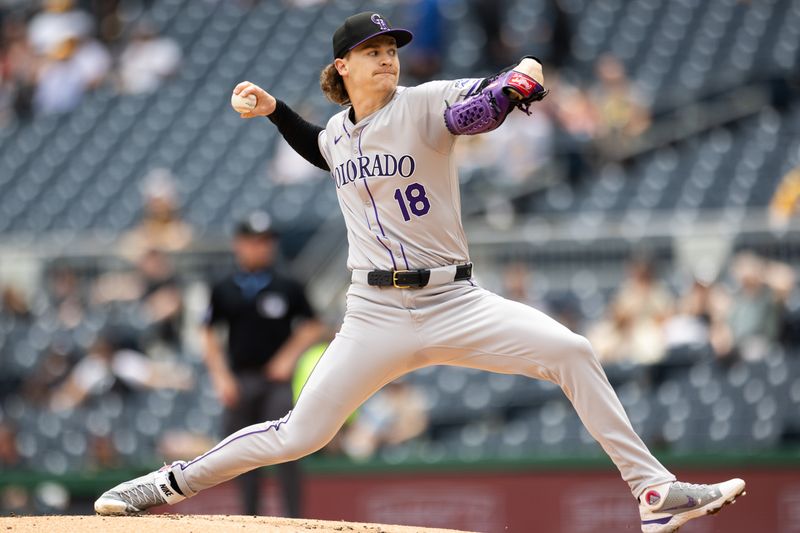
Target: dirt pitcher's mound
x,y
171,523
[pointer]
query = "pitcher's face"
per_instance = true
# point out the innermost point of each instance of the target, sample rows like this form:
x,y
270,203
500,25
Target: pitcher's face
x,y
371,67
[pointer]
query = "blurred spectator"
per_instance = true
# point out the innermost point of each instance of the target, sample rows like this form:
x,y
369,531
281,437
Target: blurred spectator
x,y
72,61
50,498
515,282
424,19
108,16
699,319
15,500
577,124
109,364
287,166
633,329
490,16
510,155
9,458
756,305
18,67
14,303
517,285
174,444
621,109
147,60
565,309
50,372
642,296
473,156
559,36
57,23
522,146
71,68
395,414
161,227
102,453
689,326
786,200
65,293
616,339
155,286
550,36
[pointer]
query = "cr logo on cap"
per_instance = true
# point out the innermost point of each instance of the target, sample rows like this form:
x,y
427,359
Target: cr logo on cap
x,y
376,18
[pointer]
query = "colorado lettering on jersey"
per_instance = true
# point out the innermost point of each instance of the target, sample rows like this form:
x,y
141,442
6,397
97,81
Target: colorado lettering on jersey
x,y
366,166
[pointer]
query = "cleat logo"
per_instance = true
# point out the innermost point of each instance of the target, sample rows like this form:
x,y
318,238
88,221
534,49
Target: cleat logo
x,y
652,497
166,490
690,502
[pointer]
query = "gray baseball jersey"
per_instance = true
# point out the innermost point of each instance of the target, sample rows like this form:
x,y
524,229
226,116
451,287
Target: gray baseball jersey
x,y
397,182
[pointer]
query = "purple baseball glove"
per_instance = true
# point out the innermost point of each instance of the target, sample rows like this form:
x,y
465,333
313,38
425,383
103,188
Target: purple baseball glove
x,y
488,109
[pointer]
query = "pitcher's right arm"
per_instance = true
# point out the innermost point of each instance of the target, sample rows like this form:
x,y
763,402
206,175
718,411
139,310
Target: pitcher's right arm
x,y
301,135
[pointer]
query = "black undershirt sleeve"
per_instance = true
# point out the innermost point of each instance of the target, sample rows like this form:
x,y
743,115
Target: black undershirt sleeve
x,y
299,133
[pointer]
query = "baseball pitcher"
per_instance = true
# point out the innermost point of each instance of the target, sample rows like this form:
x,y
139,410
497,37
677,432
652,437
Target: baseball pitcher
x,y
412,301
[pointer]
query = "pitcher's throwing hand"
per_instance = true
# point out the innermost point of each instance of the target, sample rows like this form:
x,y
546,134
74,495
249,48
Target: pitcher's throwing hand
x,y
265,102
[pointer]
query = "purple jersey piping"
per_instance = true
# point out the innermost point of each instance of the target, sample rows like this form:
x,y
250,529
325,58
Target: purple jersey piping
x,y
344,125
379,222
471,89
391,255
375,208
404,255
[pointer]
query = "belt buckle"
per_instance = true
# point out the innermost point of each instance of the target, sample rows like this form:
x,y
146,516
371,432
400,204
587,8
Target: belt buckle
x,y
394,279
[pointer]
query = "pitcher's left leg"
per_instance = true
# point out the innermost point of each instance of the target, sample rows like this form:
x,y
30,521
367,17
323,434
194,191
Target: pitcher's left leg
x,y
478,329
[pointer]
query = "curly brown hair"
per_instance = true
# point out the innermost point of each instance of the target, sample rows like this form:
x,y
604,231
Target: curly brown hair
x,y
332,85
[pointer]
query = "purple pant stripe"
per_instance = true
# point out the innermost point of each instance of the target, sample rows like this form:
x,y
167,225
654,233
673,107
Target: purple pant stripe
x,y
658,520
276,426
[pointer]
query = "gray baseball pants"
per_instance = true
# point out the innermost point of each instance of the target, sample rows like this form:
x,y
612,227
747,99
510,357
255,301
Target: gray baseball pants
x,y
388,332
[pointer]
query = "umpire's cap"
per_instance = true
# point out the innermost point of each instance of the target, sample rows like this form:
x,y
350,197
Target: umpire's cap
x,y
257,224
366,25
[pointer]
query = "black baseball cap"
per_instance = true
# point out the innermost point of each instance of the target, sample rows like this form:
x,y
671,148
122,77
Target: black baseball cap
x,y
363,26
257,224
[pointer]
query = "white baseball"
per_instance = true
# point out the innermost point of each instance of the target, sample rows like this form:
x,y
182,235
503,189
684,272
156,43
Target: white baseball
x,y
532,68
243,105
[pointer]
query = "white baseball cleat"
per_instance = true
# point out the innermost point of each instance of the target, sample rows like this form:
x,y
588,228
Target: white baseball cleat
x,y
667,507
135,496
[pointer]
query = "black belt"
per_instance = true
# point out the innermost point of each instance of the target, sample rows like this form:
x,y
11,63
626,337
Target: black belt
x,y
408,279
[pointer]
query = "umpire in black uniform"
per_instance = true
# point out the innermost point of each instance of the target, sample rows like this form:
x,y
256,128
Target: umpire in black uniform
x,y
270,324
